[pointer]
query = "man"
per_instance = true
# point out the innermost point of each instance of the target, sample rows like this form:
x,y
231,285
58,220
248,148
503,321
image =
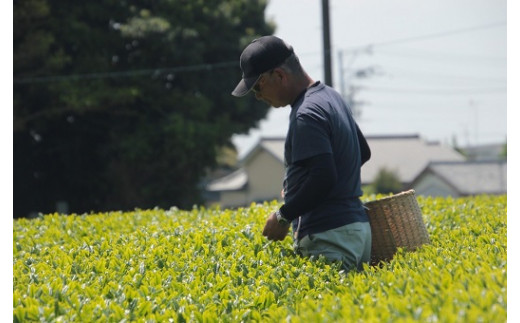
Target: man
x,y
323,157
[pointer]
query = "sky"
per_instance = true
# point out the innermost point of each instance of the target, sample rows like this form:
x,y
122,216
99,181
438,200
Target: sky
x,y
436,68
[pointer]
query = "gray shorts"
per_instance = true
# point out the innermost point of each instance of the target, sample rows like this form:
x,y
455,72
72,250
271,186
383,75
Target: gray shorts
x,y
349,244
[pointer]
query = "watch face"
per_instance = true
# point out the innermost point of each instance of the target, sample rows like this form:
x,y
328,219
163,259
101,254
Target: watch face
x,y
280,218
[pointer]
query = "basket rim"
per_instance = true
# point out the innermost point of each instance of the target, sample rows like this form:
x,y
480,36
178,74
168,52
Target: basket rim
x,y
393,196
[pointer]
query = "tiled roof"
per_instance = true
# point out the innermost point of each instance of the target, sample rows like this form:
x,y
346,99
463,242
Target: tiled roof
x,y
231,182
407,156
472,177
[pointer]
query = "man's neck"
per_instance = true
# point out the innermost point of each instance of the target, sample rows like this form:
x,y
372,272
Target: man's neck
x,y
301,85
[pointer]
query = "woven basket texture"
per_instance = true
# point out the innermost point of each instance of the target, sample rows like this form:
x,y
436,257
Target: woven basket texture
x,y
396,222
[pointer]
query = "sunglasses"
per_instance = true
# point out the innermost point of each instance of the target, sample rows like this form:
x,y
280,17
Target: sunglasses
x,y
256,87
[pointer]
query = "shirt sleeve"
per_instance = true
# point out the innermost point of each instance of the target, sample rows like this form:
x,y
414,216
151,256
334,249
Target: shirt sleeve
x,y
363,146
322,176
311,136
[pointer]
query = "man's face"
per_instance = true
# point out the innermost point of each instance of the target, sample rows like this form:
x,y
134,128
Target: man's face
x,y
269,89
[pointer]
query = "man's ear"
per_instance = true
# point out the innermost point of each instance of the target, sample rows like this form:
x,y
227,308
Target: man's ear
x,y
280,74
278,71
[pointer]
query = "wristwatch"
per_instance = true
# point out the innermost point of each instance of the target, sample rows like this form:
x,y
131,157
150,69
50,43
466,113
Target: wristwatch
x,y
281,219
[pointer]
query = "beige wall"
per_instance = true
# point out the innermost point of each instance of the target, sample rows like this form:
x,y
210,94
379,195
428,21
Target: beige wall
x,y
265,174
233,198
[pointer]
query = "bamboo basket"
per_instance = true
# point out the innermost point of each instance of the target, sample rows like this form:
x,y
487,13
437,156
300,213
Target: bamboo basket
x,y
396,222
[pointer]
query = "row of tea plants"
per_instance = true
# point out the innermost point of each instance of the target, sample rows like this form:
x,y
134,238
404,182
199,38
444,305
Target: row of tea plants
x,y
213,265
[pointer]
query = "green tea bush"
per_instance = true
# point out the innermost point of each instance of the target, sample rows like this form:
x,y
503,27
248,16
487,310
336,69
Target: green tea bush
x,y
213,265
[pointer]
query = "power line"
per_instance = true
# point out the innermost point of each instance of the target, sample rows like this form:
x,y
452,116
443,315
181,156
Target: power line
x,y
460,91
428,36
355,51
150,72
399,72
428,55
202,67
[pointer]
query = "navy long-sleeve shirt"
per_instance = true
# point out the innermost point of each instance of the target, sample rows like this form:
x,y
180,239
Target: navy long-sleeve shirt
x,y
324,151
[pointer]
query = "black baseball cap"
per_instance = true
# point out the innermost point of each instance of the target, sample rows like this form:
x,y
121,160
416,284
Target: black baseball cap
x,y
262,55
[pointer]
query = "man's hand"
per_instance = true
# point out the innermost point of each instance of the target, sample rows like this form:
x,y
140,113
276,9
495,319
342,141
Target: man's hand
x,y
274,230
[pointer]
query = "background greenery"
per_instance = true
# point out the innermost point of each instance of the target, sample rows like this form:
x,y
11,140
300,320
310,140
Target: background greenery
x,y
123,104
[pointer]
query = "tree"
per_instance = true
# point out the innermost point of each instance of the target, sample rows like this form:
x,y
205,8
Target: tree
x,y
386,182
120,105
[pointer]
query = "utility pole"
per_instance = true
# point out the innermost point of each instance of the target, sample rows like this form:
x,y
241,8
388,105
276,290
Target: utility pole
x,y
327,53
341,75
349,98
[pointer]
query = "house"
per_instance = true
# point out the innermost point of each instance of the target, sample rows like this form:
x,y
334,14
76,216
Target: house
x,y
462,178
258,179
406,156
261,171
485,152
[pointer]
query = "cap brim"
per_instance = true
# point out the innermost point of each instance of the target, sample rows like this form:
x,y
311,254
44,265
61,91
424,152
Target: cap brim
x,y
244,86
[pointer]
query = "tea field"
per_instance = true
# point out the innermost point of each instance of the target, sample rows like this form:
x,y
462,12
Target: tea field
x,y
213,265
